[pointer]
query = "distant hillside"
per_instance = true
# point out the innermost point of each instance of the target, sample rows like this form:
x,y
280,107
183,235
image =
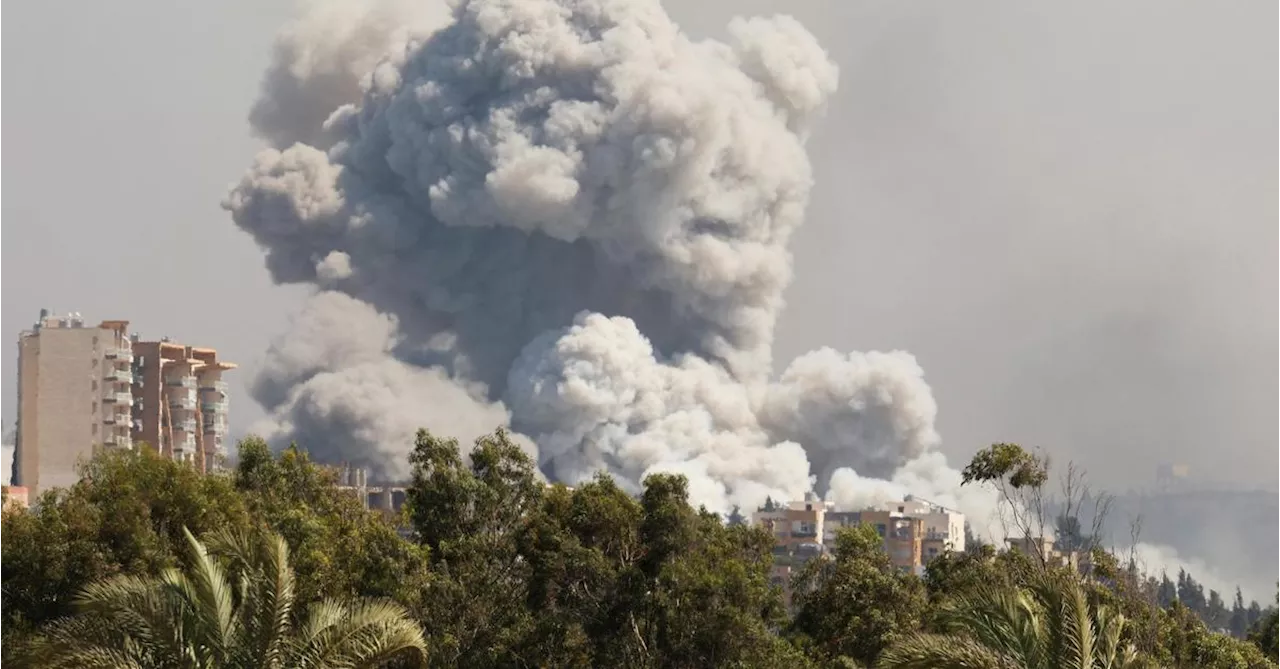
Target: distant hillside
x,y
1235,532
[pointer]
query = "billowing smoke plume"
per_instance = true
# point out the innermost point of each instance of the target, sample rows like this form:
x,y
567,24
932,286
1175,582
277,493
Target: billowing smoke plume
x,y
320,61
568,216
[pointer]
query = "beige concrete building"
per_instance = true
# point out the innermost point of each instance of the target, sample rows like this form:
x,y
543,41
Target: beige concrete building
x,y
1046,550
181,401
943,527
74,395
795,523
914,532
84,387
903,537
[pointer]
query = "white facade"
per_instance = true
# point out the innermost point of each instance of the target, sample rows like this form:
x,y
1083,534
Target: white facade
x,y
939,522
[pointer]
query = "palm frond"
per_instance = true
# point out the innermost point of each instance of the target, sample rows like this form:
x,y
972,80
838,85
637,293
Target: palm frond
x,y
231,606
363,634
1001,619
936,651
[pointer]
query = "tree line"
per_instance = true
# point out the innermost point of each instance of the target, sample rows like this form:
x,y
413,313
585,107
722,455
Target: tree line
x,y
147,563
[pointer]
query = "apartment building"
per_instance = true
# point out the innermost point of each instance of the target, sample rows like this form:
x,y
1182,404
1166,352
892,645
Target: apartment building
x,y
795,523
74,395
85,387
181,401
914,532
799,533
943,528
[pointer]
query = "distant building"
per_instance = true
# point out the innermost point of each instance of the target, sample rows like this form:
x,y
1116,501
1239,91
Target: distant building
x,y
386,497
73,396
914,532
1172,477
82,388
1045,549
180,401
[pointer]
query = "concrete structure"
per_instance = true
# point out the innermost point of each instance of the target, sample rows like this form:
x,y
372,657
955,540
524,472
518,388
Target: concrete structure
x,y
903,537
795,523
82,388
386,497
798,530
943,528
1044,548
914,532
181,401
74,395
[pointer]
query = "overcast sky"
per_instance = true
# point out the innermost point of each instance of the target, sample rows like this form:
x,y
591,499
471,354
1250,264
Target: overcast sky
x,y
1067,212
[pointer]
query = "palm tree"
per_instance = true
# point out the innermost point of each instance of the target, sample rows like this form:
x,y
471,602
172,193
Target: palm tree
x,y
1050,625
232,607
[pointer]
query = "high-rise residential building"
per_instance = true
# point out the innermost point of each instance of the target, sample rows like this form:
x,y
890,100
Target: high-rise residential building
x,y
74,395
85,387
180,401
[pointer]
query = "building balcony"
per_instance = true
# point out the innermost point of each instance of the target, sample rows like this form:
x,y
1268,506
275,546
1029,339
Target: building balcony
x,y
119,376
185,426
121,418
216,427
122,354
214,407
117,440
214,386
123,399
181,382
182,403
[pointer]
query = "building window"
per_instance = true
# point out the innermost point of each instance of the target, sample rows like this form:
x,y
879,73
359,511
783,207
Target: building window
x,y
94,410
93,384
94,429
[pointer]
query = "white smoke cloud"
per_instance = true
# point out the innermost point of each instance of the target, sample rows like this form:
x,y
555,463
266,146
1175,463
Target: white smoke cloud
x,y
570,210
1157,559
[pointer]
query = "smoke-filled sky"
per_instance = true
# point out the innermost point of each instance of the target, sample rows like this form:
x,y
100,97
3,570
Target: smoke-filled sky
x,y
1066,214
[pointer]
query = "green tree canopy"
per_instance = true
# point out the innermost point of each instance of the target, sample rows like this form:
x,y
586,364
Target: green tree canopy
x,y
237,611
855,603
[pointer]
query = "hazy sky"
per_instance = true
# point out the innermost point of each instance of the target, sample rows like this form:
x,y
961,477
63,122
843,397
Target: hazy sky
x,y
1067,212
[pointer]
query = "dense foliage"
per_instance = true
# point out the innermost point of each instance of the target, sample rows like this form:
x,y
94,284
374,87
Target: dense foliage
x,y
232,606
497,569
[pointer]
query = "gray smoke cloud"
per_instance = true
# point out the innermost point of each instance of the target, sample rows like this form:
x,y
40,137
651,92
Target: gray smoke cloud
x,y
569,217
320,61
